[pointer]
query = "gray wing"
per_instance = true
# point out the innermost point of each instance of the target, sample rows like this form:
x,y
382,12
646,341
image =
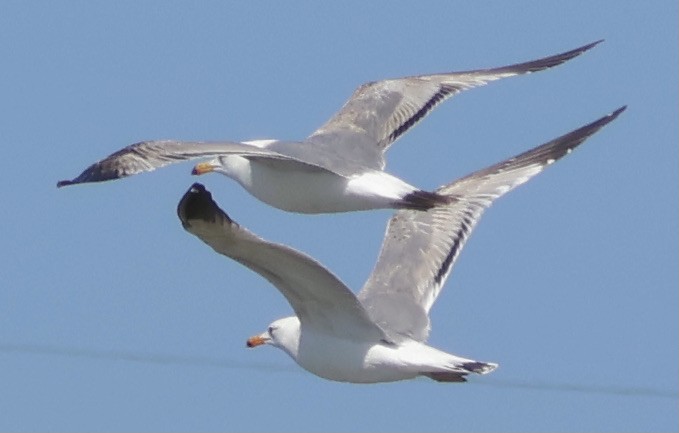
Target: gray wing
x,y
317,296
380,112
420,248
149,155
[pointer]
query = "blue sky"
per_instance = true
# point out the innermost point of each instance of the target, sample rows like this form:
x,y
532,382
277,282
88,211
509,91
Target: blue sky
x,y
114,318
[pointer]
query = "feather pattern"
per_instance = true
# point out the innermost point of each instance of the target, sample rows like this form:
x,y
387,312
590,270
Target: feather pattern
x,y
420,248
380,112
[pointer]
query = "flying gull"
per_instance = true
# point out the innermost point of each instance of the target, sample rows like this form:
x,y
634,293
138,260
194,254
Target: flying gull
x,y
338,168
379,335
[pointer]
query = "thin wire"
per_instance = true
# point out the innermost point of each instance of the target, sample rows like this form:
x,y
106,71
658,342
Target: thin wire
x,y
198,361
587,389
146,358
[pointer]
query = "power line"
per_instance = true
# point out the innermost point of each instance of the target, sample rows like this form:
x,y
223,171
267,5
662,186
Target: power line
x,y
198,361
587,389
146,358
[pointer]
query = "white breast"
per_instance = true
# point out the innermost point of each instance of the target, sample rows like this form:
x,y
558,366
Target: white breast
x,y
296,187
350,361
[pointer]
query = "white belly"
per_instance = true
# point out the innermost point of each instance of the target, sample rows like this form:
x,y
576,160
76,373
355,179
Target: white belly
x,y
346,361
296,187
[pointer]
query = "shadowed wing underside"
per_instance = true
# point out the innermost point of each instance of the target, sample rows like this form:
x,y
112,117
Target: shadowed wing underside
x,y
317,296
420,248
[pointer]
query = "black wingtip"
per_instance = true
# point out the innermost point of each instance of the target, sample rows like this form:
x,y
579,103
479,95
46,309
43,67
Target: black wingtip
x,y
617,112
197,204
578,136
199,188
563,145
591,45
587,47
598,124
564,57
63,183
547,62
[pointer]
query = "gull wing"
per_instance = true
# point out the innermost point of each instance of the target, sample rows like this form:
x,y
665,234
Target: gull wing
x,y
420,248
149,155
318,297
380,112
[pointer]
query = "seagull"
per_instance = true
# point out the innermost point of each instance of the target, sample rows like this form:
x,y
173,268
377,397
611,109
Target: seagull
x,y
380,334
338,168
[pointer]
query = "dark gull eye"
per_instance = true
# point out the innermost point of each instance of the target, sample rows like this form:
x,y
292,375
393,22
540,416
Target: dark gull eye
x,y
270,330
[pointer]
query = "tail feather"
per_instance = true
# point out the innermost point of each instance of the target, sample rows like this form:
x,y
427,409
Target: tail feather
x,y
461,370
479,367
446,376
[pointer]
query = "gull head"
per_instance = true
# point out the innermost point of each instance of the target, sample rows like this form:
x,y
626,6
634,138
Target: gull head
x,y
283,333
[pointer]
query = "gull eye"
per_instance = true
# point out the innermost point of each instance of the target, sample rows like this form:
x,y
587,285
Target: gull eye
x,y
270,330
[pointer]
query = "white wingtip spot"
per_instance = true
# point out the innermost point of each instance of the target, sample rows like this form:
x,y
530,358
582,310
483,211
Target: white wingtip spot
x,y
550,161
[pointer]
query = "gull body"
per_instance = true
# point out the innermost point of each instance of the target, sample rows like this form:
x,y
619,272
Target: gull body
x,y
357,361
298,187
340,166
378,335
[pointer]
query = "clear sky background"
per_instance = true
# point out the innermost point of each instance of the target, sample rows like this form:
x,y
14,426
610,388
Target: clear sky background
x,y
114,318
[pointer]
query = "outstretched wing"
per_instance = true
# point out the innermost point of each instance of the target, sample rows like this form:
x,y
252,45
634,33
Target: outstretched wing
x,y
318,297
380,112
149,155
420,248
